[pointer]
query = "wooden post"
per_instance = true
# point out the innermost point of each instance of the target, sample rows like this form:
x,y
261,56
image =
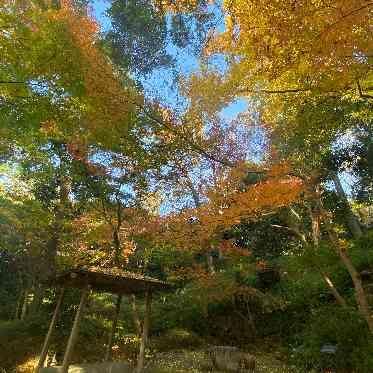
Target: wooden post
x,y
47,340
145,331
113,328
74,331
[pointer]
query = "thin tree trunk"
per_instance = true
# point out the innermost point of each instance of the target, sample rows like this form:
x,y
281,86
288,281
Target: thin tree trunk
x,y
315,222
251,319
20,300
135,315
24,305
360,295
113,329
351,220
197,203
38,299
117,256
333,289
315,219
210,263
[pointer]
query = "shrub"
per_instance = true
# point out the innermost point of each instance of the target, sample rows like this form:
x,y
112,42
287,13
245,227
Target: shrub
x,y
343,328
176,339
19,340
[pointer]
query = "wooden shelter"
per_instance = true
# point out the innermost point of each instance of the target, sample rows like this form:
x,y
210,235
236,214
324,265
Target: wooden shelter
x,y
114,281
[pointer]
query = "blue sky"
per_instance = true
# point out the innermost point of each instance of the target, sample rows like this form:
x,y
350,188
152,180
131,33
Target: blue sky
x,y
99,8
160,84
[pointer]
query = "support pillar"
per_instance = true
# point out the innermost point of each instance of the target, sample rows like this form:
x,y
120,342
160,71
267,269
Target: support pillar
x,y
145,331
47,340
113,328
74,331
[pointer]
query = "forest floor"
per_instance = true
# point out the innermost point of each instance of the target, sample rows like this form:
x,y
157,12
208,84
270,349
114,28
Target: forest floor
x,y
186,361
191,361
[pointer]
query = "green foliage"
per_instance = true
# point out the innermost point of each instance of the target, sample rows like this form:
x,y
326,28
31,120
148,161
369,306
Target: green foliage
x,y
343,328
362,251
265,238
19,340
139,35
177,339
142,34
361,157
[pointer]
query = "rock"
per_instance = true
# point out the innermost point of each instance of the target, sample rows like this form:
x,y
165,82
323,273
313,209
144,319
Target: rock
x,y
231,359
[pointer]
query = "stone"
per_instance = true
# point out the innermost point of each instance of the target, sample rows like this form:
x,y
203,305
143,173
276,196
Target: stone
x,y
231,359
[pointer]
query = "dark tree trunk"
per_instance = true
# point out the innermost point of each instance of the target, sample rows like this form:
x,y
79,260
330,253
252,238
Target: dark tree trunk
x,y
19,305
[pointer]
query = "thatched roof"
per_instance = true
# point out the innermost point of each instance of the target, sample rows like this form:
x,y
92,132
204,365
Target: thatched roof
x,y
112,280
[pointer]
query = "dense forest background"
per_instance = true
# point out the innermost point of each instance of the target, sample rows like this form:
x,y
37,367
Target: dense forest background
x,y
223,146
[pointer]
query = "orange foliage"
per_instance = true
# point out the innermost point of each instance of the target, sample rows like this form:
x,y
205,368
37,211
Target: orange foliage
x,y
229,203
94,237
97,70
108,104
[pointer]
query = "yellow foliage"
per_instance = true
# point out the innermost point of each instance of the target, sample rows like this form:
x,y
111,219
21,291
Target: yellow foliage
x,y
323,43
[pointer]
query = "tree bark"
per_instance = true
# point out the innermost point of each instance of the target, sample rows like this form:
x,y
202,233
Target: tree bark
x,y
20,300
351,220
38,299
135,315
24,305
333,289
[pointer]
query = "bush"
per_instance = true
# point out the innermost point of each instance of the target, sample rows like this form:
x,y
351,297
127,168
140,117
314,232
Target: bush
x,y
19,340
343,328
176,339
